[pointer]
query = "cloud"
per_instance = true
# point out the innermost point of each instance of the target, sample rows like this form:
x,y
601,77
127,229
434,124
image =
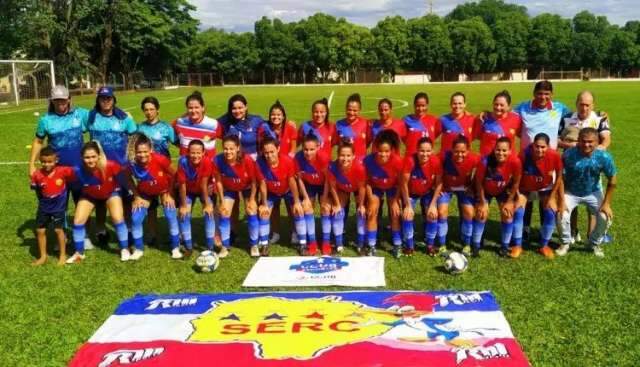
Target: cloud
x,y
240,15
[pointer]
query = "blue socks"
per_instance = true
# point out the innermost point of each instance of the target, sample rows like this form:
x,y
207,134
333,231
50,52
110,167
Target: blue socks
x,y
361,226
122,233
337,224
518,223
185,229
326,228
311,228
507,231
372,237
264,231
301,228
430,232
478,230
225,231
137,222
443,228
79,233
548,224
467,231
209,230
171,215
407,229
254,229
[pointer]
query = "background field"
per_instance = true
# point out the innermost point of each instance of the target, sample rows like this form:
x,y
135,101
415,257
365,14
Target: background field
x,y
573,311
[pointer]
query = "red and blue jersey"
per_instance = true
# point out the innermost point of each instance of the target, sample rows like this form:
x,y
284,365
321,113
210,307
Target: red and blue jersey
x,y
422,177
324,132
285,136
417,128
491,129
357,133
154,178
539,174
396,125
276,178
192,176
349,181
452,128
497,180
97,185
456,176
383,176
207,130
311,172
246,130
51,188
237,176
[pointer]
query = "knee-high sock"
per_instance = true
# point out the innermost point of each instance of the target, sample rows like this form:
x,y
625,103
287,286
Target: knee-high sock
x,y
548,224
478,230
79,233
265,227
466,231
326,228
443,228
337,223
372,236
431,231
396,237
209,230
507,232
172,219
518,218
301,228
407,230
254,229
310,222
225,230
122,233
185,229
137,222
361,224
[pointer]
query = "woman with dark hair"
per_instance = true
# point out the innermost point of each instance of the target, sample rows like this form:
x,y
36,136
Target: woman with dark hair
x,y
384,170
501,122
420,124
498,176
281,129
237,121
457,122
161,133
386,121
319,125
354,128
196,125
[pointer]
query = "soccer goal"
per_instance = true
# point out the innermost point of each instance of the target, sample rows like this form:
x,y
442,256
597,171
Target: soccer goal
x,y
25,81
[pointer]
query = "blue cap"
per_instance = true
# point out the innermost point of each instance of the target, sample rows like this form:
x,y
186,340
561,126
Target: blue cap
x,y
105,92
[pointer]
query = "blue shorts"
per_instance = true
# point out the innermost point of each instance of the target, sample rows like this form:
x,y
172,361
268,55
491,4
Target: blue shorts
x,y
153,201
100,202
390,193
501,198
57,219
125,193
425,200
274,199
462,196
314,191
235,195
191,198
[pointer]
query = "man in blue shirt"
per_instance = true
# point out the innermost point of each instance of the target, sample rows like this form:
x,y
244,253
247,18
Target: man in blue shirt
x,y
583,166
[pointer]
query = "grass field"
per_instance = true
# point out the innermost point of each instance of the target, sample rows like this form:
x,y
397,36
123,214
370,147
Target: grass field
x,y
572,311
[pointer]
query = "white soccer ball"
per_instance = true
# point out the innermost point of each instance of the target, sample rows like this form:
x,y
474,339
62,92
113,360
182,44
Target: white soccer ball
x,y
208,261
456,263
36,113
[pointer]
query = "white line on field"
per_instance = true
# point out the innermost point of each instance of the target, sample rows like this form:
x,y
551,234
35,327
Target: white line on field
x,y
44,107
12,163
331,97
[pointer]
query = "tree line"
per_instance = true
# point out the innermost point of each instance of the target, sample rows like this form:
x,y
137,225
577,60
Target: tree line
x,y
163,36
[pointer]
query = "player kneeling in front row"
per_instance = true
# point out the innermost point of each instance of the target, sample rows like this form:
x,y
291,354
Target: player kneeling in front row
x,y
421,182
498,176
583,166
151,179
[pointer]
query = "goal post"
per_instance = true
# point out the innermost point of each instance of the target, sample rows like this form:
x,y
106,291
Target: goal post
x,y
25,81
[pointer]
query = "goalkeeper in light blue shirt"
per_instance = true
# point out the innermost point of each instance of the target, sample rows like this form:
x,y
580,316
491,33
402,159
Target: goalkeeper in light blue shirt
x,y
159,132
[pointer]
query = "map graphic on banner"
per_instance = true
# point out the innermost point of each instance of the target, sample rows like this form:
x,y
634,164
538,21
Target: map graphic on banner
x,y
306,329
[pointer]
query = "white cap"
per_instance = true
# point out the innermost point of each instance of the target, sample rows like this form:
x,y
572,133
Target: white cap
x,y
59,92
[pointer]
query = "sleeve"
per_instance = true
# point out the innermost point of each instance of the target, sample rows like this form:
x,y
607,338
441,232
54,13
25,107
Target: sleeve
x,y
113,167
69,174
83,114
164,162
207,167
559,166
41,130
481,170
213,167
565,110
301,132
291,127
603,126
519,108
171,134
180,176
407,165
131,126
561,126
477,128
258,172
251,167
361,173
292,167
608,166
437,165
516,166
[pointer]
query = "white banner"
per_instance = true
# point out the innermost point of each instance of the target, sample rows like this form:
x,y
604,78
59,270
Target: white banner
x,y
296,271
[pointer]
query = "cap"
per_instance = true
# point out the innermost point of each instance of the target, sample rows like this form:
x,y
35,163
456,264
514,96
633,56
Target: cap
x,y
570,133
59,92
105,92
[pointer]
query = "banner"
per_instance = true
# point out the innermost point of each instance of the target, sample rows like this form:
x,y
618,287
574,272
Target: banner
x,y
298,271
353,329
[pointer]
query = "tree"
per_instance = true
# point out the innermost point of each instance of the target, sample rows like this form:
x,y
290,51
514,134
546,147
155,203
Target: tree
x,y
429,44
590,40
317,34
276,44
549,43
473,46
355,48
391,44
623,54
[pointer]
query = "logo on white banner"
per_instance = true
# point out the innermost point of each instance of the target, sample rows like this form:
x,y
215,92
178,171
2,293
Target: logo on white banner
x,y
319,266
129,356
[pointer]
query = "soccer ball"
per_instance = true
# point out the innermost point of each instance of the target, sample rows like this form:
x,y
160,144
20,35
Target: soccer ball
x,y
456,263
207,262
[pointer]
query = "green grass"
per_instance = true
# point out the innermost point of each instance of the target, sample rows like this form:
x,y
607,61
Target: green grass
x,y
573,311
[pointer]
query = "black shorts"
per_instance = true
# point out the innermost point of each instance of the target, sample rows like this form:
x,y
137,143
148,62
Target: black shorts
x,y
57,220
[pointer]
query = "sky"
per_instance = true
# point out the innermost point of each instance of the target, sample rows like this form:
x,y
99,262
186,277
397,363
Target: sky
x,y
240,15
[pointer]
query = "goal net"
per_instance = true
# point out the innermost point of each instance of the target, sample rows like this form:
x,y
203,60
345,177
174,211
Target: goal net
x,y
24,82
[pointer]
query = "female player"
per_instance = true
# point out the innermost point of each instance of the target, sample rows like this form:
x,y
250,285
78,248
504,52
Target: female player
x,y
354,128
498,176
457,122
98,178
458,168
238,121
235,179
384,169
421,183
386,121
542,175
195,124
281,129
276,174
311,165
193,178
151,180
501,122
420,124
346,175
319,125
161,133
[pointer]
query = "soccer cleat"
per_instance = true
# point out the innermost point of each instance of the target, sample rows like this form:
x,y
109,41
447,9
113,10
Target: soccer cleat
x,y
275,238
432,251
188,253
547,252
607,239
504,252
562,250
255,251
326,249
475,252
312,249
515,252
371,251
223,252
75,258
362,251
103,239
466,250
339,250
264,250
88,245
137,254
597,250
125,255
176,254
396,252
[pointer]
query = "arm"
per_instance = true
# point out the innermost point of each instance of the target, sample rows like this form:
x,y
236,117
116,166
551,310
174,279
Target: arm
x,y
36,146
432,213
605,140
297,207
481,205
362,191
184,209
608,197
